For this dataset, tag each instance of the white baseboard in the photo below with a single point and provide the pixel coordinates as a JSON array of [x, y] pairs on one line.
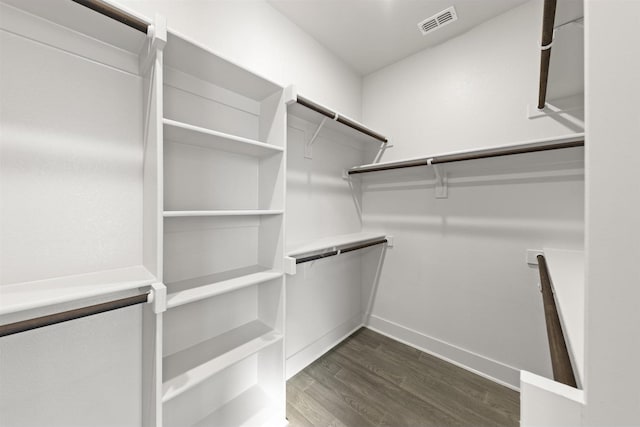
[[488, 368], [301, 359]]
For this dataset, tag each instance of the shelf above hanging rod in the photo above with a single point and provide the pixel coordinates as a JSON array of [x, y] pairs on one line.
[[336, 249], [314, 112], [114, 13], [340, 251], [576, 140], [65, 316]]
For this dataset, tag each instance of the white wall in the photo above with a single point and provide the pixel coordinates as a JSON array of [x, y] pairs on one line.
[[470, 92], [613, 211], [456, 282], [256, 36], [71, 203]]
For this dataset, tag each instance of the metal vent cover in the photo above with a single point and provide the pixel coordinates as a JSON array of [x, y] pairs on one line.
[[438, 20]]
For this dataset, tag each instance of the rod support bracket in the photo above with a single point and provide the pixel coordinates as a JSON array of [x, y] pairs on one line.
[[158, 298], [289, 265], [308, 146], [441, 188]]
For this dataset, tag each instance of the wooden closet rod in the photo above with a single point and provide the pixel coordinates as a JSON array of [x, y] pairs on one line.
[[548, 18], [340, 251], [337, 117], [65, 316], [472, 155], [114, 13], [560, 361]]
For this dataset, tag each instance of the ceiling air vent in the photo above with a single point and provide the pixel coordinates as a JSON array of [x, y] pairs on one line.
[[438, 20]]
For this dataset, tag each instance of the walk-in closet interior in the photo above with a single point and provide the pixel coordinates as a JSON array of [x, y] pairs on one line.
[[317, 212]]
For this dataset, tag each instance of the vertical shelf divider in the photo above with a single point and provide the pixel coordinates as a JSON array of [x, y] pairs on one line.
[[151, 64]]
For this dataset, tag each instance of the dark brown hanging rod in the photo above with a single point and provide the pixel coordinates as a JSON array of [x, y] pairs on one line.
[[340, 251], [483, 154], [560, 361], [65, 316], [114, 13], [548, 18], [337, 117], [315, 257]]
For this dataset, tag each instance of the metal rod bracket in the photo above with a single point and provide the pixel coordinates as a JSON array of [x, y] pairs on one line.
[[308, 146], [441, 188]]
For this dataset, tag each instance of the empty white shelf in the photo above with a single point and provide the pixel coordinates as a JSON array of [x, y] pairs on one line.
[[244, 212], [252, 408], [185, 55], [191, 290], [566, 269], [41, 293], [188, 368], [332, 242], [361, 134], [526, 156], [193, 135]]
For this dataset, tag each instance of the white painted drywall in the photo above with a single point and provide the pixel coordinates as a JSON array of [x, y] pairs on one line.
[[470, 92], [456, 282], [71, 164], [71, 203], [612, 212], [256, 36]]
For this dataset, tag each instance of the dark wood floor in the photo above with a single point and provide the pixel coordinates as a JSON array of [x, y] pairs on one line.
[[371, 380]]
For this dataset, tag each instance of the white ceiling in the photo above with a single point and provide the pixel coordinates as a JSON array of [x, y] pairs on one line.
[[370, 34]]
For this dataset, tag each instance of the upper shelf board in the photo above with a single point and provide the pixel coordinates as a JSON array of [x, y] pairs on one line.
[[86, 21], [332, 242], [489, 158], [313, 112], [566, 269], [245, 212], [192, 58], [194, 135], [42, 293]]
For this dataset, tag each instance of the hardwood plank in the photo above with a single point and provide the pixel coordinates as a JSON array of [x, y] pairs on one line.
[[372, 380], [349, 407], [372, 362], [458, 390], [311, 409], [295, 417], [301, 380], [403, 408]]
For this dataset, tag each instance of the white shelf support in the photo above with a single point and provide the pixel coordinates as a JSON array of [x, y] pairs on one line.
[[442, 189], [389, 241], [290, 265], [158, 298], [381, 150], [308, 146]]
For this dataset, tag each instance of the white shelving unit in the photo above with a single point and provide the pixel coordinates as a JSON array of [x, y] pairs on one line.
[[222, 184]]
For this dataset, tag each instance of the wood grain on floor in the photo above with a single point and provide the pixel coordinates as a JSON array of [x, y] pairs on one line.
[[372, 380]]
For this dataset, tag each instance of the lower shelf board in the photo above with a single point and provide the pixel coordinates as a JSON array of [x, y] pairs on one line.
[[252, 408], [191, 290], [190, 367]]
